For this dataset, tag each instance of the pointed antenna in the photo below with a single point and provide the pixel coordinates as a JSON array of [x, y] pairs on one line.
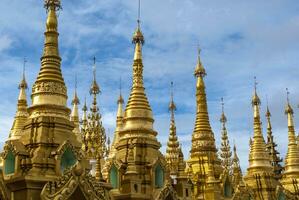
[[76, 81], [24, 67], [171, 92], [198, 51], [222, 104], [139, 8], [94, 68], [120, 86], [288, 93], [255, 84]]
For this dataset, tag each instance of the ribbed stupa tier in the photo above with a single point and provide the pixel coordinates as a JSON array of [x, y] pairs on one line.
[[260, 168], [290, 178], [22, 113], [49, 88]]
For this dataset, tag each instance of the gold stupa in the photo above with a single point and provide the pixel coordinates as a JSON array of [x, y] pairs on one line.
[[54, 153]]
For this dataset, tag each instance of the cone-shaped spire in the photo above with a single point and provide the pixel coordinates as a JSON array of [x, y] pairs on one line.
[[94, 135], [236, 169], [259, 160], [225, 147], [49, 88], [22, 113], [172, 149], [291, 172], [271, 146], [75, 112], [203, 138], [138, 113], [119, 122]]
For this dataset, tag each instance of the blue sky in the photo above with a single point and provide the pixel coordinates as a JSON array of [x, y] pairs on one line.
[[239, 40]]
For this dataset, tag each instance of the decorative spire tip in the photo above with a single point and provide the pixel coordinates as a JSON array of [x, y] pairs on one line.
[[56, 4]]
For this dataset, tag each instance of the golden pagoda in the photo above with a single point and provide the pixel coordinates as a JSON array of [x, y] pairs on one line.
[[138, 169], [51, 154]]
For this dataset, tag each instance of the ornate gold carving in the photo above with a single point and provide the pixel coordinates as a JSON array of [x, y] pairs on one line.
[[49, 88]]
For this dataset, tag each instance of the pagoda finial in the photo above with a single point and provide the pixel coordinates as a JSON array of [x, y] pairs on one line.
[[94, 89], [75, 99], [56, 4], [223, 119], [172, 106], [23, 83], [138, 36], [199, 69]]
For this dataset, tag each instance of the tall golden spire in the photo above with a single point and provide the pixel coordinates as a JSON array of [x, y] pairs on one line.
[[119, 122], [203, 153], [290, 179], [75, 112], [94, 136], [138, 113], [258, 158], [225, 147], [203, 141], [22, 113], [271, 146], [260, 177], [172, 149], [49, 88]]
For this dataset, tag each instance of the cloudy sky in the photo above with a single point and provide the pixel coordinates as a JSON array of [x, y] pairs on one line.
[[239, 40]]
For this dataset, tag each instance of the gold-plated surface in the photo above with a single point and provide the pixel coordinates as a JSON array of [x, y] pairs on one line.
[[22, 113], [173, 146], [290, 178], [203, 153], [271, 146], [50, 154], [260, 169]]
